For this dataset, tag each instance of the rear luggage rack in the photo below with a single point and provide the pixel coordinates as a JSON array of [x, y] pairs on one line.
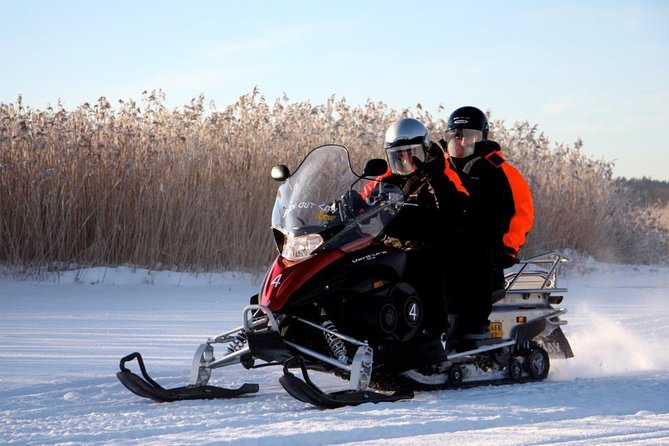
[[536, 281]]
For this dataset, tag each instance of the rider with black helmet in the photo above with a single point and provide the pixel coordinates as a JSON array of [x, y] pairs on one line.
[[500, 218]]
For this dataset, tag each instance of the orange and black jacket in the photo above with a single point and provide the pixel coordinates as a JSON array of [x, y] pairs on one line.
[[502, 212]]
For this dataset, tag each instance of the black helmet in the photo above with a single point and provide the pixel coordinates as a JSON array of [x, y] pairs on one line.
[[466, 126], [405, 139]]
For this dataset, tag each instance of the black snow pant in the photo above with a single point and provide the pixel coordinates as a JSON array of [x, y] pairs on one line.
[[498, 281], [469, 282], [426, 273]]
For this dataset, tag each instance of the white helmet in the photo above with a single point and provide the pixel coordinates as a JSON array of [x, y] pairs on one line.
[[405, 139]]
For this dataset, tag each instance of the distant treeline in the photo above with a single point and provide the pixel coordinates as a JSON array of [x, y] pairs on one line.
[[141, 184], [648, 191]]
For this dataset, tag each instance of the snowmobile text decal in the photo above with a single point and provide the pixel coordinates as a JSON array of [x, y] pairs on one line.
[[371, 256], [552, 347]]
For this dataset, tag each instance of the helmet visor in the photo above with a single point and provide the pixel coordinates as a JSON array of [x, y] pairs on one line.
[[461, 142], [400, 158]]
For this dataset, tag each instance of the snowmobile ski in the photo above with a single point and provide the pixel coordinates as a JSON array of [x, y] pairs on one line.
[[307, 392], [146, 387]]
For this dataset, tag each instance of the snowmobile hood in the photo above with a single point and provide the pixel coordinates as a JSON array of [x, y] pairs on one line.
[[285, 278]]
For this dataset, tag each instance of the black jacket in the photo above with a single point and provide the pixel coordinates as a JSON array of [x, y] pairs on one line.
[[501, 203], [433, 212]]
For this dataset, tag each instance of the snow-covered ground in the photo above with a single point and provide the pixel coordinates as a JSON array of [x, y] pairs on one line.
[[61, 340]]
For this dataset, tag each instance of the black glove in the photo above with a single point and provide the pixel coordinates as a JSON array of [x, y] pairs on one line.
[[353, 202], [434, 163], [505, 260]]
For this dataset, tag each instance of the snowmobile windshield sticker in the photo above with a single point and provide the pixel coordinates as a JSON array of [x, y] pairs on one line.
[[300, 205], [368, 257], [325, 216]]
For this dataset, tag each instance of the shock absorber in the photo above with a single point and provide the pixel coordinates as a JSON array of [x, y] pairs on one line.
[[335, 343], [237, 343]]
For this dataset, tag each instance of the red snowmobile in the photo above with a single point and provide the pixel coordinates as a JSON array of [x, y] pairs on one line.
[[338, 300]]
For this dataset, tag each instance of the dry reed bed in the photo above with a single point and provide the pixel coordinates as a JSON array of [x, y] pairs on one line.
[[188, 188]]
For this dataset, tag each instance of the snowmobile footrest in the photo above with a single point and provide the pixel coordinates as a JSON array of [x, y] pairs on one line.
[[307, 392], [148, 388]]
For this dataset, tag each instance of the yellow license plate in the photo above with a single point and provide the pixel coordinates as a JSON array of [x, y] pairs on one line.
[[495, 329]]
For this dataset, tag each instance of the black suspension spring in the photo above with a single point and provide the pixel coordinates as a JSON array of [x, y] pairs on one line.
[[335, 343], [237, 343]]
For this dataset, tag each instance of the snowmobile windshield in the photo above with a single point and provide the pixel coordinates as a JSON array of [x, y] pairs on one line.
[[323, 204]]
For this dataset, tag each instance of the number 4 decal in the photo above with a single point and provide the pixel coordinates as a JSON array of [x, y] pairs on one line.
[[277, 281], [413, 312]]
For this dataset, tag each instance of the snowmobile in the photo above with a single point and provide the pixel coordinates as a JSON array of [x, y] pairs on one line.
[[338, 300]]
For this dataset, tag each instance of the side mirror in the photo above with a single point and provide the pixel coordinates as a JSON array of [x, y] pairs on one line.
[[280, 172], [375, 167]]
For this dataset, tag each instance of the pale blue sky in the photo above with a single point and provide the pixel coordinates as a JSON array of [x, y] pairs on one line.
[[597, 70]]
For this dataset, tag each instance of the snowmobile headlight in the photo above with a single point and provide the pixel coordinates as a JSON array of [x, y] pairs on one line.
[[300, 247]]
